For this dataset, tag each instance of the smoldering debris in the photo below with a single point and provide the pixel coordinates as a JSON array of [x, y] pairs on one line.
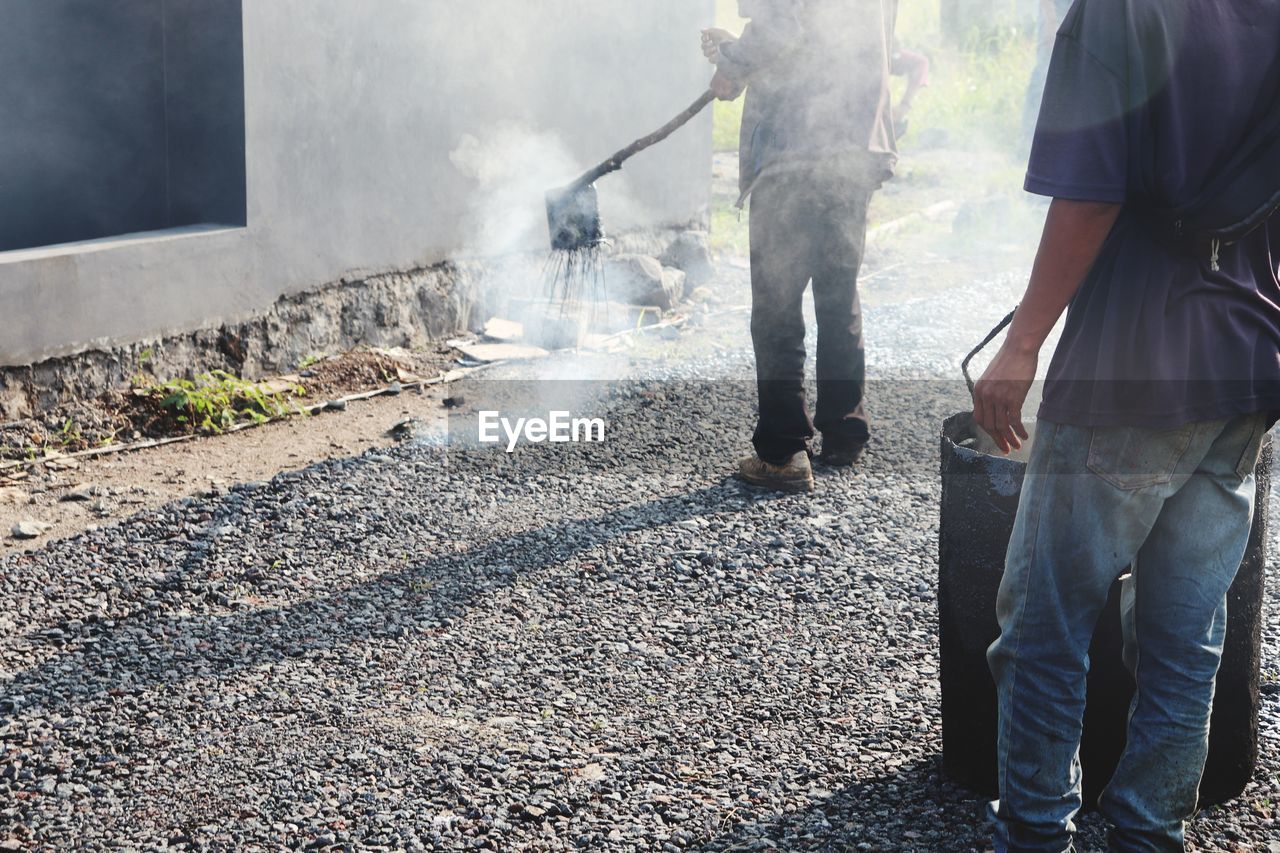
[[575, 277]]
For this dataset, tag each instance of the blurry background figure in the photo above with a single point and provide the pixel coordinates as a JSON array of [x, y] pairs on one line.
[[1052, 13], [915, 68], [815, 143]]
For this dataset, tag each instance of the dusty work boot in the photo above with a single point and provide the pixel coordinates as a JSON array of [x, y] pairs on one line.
[[794, 475], [838, 454]]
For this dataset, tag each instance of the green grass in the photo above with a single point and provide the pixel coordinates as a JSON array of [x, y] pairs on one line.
[[727, 115], [976, 94], [972, 109], [214, 402], [729, 229], [726, 121], [920, 19]]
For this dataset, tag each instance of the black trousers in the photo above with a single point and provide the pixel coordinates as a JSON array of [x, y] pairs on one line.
[[804, 229]]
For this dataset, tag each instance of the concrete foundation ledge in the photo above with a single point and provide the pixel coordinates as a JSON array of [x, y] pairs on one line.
[[398, 309], [402, 309]]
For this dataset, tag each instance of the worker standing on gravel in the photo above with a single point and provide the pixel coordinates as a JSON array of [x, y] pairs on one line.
[[1156, 403], [817, 141]]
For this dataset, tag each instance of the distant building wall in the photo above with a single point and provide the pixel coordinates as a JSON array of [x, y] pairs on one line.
[[350, 110]]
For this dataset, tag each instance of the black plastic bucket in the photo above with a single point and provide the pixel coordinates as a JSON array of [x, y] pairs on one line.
[[979, 500]]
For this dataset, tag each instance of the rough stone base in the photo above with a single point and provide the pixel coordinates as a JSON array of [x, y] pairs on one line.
[[404, 309], [401, 309]]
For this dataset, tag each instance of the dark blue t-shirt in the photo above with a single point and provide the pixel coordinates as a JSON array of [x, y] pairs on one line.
[[1146, 100]]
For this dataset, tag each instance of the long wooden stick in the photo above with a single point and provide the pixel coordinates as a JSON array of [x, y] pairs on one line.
[[615, 162]]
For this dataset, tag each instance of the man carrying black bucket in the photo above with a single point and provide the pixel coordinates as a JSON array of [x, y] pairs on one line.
[[1159, 141], [817, 141]]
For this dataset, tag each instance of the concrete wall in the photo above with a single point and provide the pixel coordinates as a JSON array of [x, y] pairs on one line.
[[352, 109]]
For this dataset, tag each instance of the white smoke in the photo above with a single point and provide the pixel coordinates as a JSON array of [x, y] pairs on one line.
[[512, 166]]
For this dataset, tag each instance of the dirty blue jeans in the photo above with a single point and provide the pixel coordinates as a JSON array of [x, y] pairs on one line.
[[1175, 508]]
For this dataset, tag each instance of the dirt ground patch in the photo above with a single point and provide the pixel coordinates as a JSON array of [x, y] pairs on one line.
[[60, 495], [66, 499], [147, 409]]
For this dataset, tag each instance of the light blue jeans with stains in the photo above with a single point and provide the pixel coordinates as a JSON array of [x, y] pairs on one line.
[[1174, 507]]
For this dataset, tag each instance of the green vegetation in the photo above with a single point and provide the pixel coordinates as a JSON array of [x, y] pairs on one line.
[[729, 229], [728, 116], [972, 109], [310, 361], [69, 434], [215, 402], [727, 119], [977, 92], [977, 95]]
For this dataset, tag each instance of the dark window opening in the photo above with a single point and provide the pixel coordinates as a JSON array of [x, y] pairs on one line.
[[119, 116]]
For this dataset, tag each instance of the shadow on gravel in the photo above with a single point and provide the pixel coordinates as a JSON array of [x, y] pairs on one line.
[[163, 646], [912, 808]]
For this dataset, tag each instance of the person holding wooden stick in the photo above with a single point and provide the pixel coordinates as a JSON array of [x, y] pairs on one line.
[[816, 142]]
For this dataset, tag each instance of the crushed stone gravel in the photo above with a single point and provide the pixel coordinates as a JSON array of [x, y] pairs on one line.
[[613, 646]]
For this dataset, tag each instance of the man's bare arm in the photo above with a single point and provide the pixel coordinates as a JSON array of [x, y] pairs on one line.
[[1074, 233]]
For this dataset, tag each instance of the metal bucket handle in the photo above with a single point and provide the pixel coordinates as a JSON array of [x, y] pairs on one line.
[[964, 365]]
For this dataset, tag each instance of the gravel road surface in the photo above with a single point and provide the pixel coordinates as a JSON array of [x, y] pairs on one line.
[[609, 646]]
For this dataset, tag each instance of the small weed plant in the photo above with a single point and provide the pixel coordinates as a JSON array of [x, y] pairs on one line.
[[217, 401], [69, 434]]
